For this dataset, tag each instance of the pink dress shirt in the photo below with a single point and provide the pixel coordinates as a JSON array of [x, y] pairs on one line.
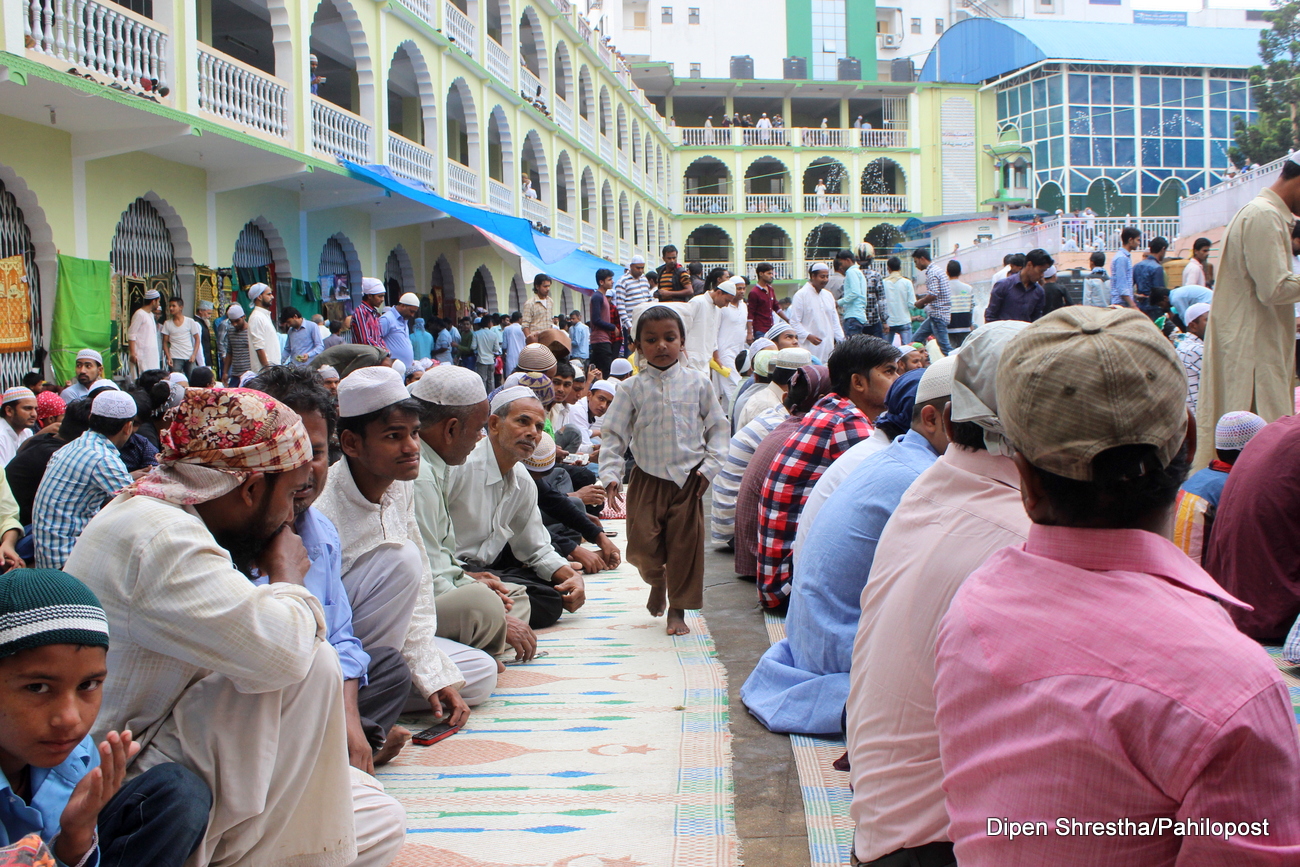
[[1093, 675], [962, 509]]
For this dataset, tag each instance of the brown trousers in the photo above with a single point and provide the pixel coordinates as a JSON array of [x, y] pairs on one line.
[[665, 536]]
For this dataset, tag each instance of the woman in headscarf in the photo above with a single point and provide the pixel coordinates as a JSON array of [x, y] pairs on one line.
[[421, 340]]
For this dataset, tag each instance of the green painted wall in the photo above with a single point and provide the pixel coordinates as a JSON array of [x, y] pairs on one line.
[[861, 24], [798, 30]]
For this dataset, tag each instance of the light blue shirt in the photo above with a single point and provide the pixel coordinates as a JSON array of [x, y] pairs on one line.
[[580, 337], [487, 346], [442, 345], [853, 303], [1121, 277], [76, 391], [324, 580], [303, 340], [512, 343], [50, 790], [392, 326], [1185, 296]]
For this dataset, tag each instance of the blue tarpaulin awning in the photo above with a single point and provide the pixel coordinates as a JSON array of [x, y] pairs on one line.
[[562, 261]]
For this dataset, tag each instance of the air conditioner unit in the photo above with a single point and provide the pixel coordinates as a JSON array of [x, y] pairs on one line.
[[891, 40]]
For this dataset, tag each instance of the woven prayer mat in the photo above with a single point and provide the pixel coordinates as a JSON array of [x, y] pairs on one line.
[[826, 794], [612, 751], [1290, 674]]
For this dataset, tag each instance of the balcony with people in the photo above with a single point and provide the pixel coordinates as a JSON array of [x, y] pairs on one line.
[[831, 123]]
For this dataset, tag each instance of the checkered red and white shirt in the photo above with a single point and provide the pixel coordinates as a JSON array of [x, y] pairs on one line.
[[829, 429]]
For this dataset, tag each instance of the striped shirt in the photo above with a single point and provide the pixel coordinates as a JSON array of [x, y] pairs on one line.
[[936, 284], [366, 327], [726, 485], [628, 294], [234, 346], [81, 477]]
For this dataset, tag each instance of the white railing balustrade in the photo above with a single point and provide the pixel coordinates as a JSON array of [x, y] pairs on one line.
[[695, 203], [826, 203], [563, 114], [498, 61], [781, 270], [500, 197], [884, 204], [410, 160], [565, 227], [584, 29], [606, 149], [709, 266], [462, 184], [589, 237], [776, 136], [623, 165], [531, 87], [586, 133], [423, 9], [825, 138], [536, 212], [608, 244], [238, 92], [458, 26], [624, 252], [97, 37], [563, 7], [339, 133], [767, 204], [882, 138], [705, 136]]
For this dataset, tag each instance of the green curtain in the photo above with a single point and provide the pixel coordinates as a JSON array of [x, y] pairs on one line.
[[305, 296], [83, 316]]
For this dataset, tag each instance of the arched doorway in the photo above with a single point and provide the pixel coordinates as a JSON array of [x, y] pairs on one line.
[[339, 43], [340, 269], [587, 196], [462, 125], [564, 183], [500, 146], [884, 237], [706, 187], [1165, 203], [767, 185], [482, 290], [399, 276], [824, 241], [21, 344], [1050, 198], [710, 245], [411, 106], [1104, 198], [834, 180], [769, 243], [563, 71], [884, 187]]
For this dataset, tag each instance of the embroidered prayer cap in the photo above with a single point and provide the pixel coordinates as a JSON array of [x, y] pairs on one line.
[[206, 305], [535, 356], [111, 403], [40, 607], [792, 358], [400, 367], [90, 355], [974, 380], [410, 299], [370, 389], [152, 295], [541, 386], [609, 386], [818, 266], [1196, 311], [937, 381], [103, 383], [637, 260], [728, 286], [620, 367], [18, 392], [543, 457], [257, 290], [234, 311], [48, 406], [216, 439], [1235, 429], [450, 385], [778, 328], [1082, 380], [509, 395], [327, 372], [371, 286], [763, 362]]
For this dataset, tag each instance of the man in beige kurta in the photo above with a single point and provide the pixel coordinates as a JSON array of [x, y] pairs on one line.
[[234, 681], [1250, 343]]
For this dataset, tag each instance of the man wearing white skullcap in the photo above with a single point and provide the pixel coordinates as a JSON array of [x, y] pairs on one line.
[[493, 506], [18, 410], [90, 367], [586, 413], [142, 335], [263, 337], [81, 477], [370, 499], [479, 610], [1191, 349], [813, 315], [395, 326], [330, 377], [366, 327]]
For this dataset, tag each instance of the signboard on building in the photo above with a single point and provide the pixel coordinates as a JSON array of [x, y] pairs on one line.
[[1177, 19]]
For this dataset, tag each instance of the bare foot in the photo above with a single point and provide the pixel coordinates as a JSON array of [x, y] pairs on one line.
[[657, 602], [501, 667], [397, 738], [677, 622]]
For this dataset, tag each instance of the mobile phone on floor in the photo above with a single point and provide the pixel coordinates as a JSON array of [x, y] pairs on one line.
[[538, 655], [434, 733]]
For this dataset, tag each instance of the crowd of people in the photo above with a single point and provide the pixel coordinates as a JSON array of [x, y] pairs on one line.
[[221, 592]]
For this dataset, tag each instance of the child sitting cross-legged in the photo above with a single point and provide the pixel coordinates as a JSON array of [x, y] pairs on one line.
[[54, 780]]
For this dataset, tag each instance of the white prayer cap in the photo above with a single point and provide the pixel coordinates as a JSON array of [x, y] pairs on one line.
[[728, 286], [512, 380], [257, 290], [755, 348], [409, 298], [400, 367], [371, 286], [818, 266], [1294, 157], [151, 295], [328, 372], [509, 395], [637, 260], [609, 386], [370, 389], [245, 377], [1051, 269], [778, 328], [103, 383], [620, 367], [543, 457], [234, 311], [111, 403], [937, 380], [178, 378], [1196, 311], [90, 355], [792, 358], [450, 385]]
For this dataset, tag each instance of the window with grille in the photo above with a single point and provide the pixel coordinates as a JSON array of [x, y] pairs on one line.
[[332, 259], [393, 277], [142, 245], [916, 25], [938, 25], [666, 15], [252, 250], [693, 15], [16, 240]]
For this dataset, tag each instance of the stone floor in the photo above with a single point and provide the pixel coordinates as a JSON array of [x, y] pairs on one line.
[[769, 804]]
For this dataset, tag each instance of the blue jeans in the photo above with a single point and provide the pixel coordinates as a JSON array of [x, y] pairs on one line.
[[158, 819], [936, 327], [904, 332]]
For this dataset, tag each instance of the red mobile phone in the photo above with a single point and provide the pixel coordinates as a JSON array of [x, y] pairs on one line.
[[434, 733]]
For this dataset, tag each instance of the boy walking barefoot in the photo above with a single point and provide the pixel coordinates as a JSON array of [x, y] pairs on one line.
[[669, 416], [55, 782]]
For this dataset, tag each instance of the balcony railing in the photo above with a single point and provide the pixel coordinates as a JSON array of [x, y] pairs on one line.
[[624, 252], [882, 138], [410, 160], [459, 28], [238, 92], [563, 6], [826, 138], [531, 87], [565, 227], [623, 164], [586, 133], [498, 61], [695, 203], [338, 132], [608, 244], [709, 266], [777, 136], [589, 237], [884, 204], [500, 197], [705, 136], [536, 212], [825, 203], [606, 149], [728, 136], [97, 37], [462, 184], [423, 9], [563, 114], [767, 204], [781, 270]]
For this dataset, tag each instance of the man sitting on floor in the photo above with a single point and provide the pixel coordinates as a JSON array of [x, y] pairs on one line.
[[479, 610], [493, 506], [563, 514], [371, 500], [233, 681], [376, 681], [1198, 499]]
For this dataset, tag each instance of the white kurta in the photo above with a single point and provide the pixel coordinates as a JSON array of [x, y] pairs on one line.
[[814, 313], [731, 340], [262, 334], [144, 333], [701, 332]]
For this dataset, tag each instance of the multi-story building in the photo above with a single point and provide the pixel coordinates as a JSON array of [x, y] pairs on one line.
[[167, 138]]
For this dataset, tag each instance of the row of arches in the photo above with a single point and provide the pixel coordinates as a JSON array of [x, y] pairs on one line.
[[1106, 200], [768, 175], [769, 242]]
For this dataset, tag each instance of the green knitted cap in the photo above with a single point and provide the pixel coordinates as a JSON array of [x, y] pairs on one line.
[[46, 606]]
